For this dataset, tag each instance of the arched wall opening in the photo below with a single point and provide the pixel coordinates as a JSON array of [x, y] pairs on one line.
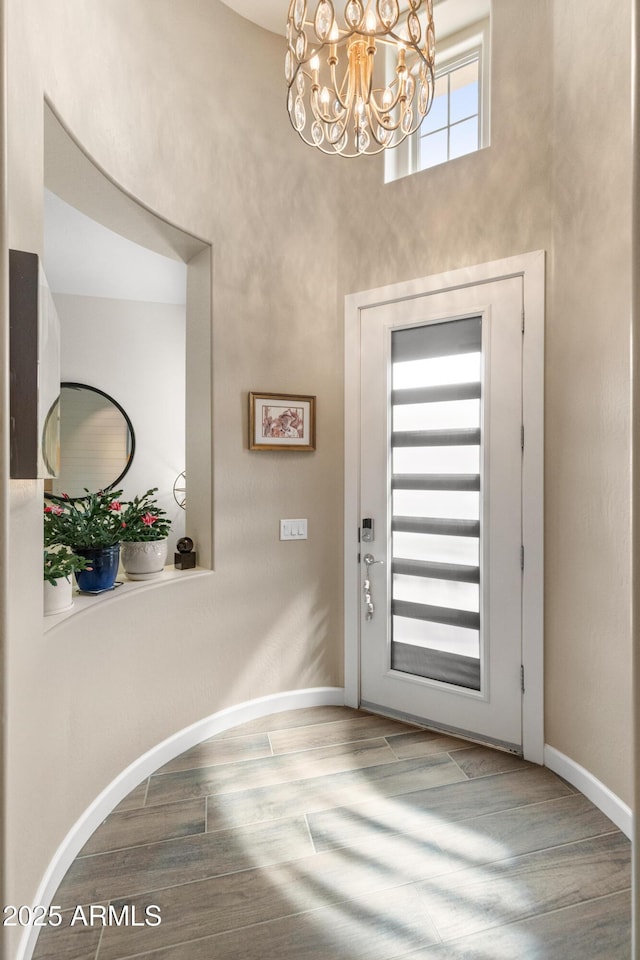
[[73, 176]]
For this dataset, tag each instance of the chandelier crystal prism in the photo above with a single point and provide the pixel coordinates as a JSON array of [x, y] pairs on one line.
[[360, 76]]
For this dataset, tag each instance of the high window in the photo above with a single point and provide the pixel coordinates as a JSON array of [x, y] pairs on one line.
[[452, 126], [458, 121]]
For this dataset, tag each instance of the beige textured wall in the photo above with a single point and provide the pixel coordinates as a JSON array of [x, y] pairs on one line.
[[588, 443], [91, 697], [557, 176], [154, 90], [488, 205]]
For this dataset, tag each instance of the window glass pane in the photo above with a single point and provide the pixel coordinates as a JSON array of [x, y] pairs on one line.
[[433, 149], [464, 92], [437, 371], [464, 138], [426, 546], [436, 416], [437, 593], [438, 114], [436, 460], [437, 636], [446, 504]]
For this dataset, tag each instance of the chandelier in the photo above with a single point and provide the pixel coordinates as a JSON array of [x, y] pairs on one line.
[[362, 81]]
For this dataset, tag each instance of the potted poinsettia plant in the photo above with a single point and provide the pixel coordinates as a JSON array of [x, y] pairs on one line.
[[90, 526], [144, 530], [59, 564]]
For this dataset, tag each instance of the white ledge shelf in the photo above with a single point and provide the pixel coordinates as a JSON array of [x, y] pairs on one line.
[[85, 603]]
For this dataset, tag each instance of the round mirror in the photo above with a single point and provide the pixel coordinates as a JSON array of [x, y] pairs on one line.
[[97, 442]]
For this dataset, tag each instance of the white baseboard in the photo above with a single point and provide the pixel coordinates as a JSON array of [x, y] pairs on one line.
[[593, 789], [145, 765]]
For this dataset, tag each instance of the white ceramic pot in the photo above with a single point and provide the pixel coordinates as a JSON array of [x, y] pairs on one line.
[[144, 560], [57, 598]]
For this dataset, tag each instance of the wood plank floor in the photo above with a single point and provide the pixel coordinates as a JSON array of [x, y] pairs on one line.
[[331, 834]]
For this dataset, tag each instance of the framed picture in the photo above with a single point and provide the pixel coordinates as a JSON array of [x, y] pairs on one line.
[[282, 421]]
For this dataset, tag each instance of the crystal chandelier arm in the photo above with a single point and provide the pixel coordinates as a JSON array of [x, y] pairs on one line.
[[343, 99], [321, 110], [315, 105], [380, 106], [368, 68], [383, 119]]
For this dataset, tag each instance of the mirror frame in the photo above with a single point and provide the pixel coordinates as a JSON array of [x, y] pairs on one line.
[[72, 384]]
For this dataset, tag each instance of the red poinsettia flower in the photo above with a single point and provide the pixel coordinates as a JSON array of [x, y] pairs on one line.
[[148, 520]]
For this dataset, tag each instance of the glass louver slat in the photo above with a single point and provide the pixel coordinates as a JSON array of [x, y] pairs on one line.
[[464, 459], [435, 481], [424, 611], [441, 526], [436, 503], [437, 571], [458, 641], [455, 594], [436, 438], [430, 414], [437, 549], [446, 393]]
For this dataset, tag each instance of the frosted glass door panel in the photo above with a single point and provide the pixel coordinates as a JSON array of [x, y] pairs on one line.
[[436, 459], [436, 395], [436, 503], [447, 639], [424, 546], [436, 416], [437, 371], [437, 593]]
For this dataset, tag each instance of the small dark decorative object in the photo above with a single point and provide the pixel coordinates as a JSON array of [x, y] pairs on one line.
[[185, 559]]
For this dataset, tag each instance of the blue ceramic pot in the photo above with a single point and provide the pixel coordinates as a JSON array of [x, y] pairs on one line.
[[104, 568]]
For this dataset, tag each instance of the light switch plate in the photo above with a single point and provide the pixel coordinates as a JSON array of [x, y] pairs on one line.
[[293, 529]]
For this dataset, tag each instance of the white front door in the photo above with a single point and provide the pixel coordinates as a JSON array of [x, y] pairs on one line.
[[441, 509]]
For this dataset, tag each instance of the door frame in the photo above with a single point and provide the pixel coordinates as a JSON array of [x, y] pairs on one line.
[[531, 267]]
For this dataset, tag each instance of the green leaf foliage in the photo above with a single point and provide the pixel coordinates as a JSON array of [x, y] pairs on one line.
[[144, 520], [61, 563]]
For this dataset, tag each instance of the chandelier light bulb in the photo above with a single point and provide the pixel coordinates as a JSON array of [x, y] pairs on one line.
[[360, 73]]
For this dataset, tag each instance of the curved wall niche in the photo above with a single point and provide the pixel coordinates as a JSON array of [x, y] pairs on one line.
[[72, 175]]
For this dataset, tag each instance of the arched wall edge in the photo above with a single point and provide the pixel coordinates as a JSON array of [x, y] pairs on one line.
[[593, 789], [145, 765]]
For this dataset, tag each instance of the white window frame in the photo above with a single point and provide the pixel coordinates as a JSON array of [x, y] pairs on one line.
[[445, 71], [451, 53]]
